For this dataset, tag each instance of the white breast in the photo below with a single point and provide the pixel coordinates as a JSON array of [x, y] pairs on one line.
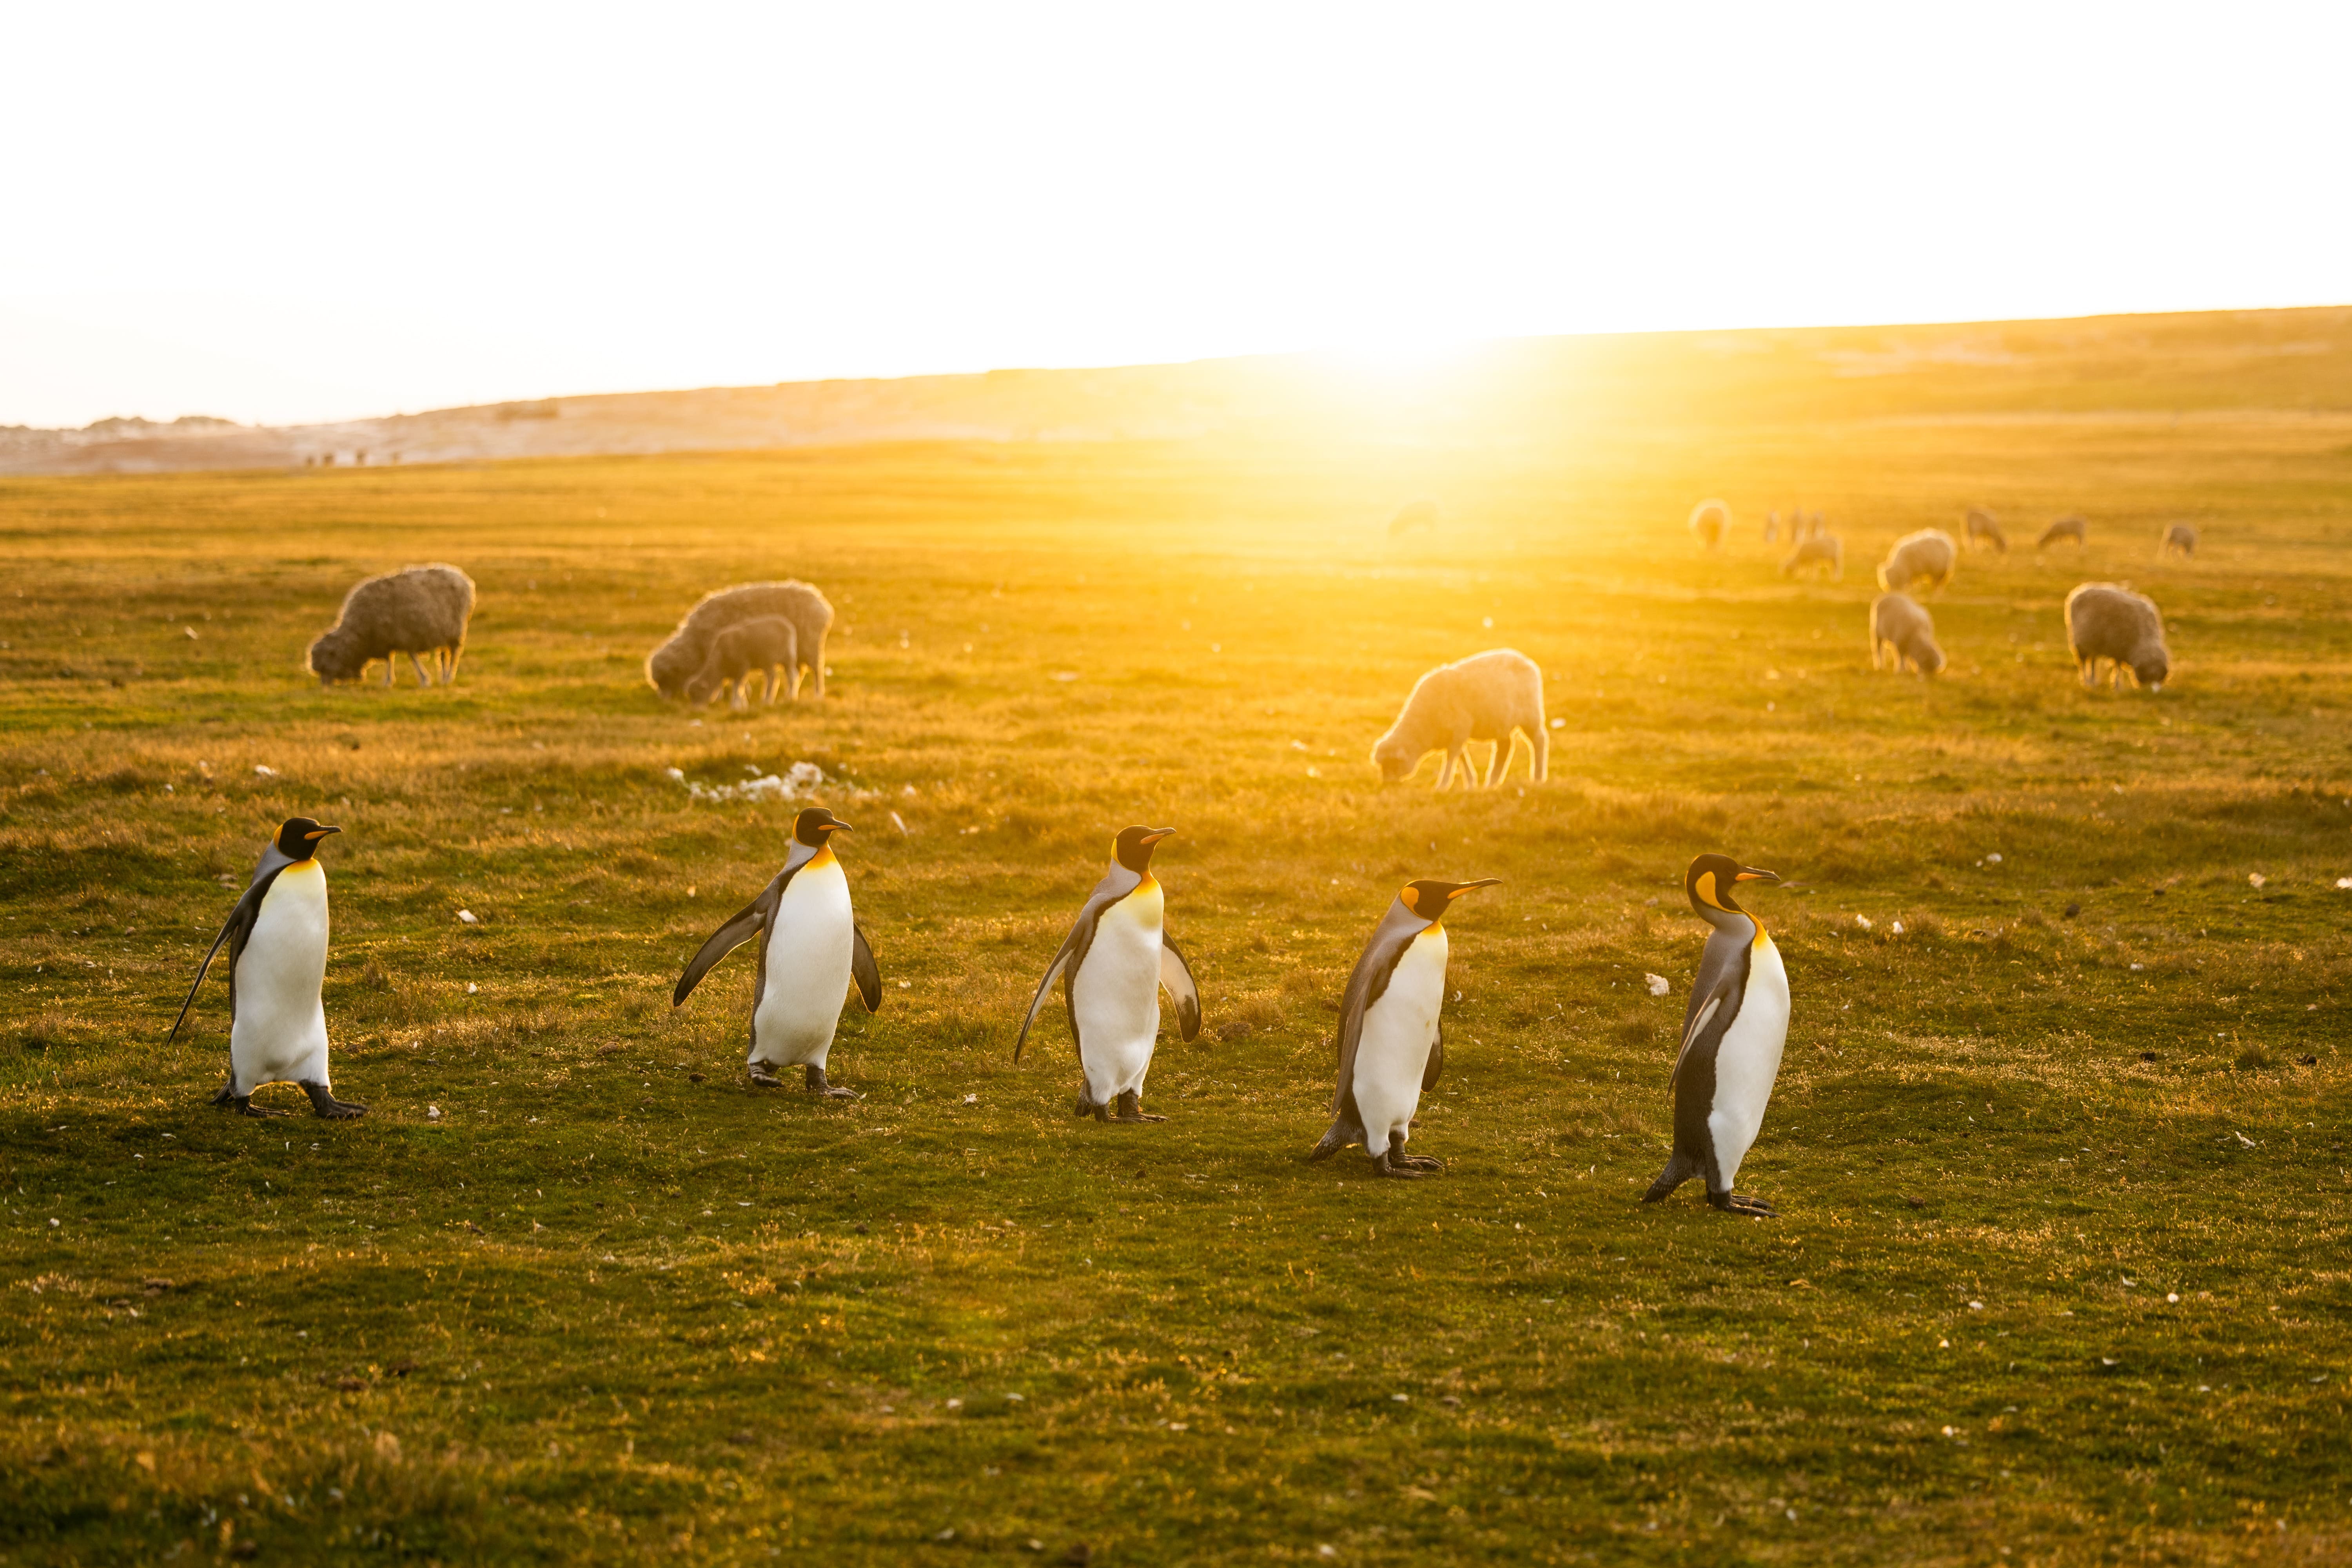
[[1392, 1050], [807, 974], [279, 1034], [1748, 1061], [1115, 995]]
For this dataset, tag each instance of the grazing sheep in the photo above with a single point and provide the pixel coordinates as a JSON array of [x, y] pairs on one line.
[[1421, 513], [1710, 520], [1485, 697], [2106, 621], [2065, 528], [417, 610], [1901, 631], [1817, 551], [1928, 555], [670, 666], [1982, 525], [766, 648], [2180, 539]]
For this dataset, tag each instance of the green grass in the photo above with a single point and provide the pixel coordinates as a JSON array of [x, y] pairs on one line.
[[2061, 1275]]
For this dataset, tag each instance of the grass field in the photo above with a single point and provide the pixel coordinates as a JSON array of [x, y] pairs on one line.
[[2061, 1272]]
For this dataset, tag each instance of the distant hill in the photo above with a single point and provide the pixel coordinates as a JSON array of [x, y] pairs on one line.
[[1509, 391]]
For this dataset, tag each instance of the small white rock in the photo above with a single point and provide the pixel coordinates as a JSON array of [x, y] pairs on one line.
[[972, 1099], [264, 770], [433, 1113], [1896, 928], [1994, 858], [1658, 984], [471, 988], [466, 917], [1862, 921], [2257, 878]]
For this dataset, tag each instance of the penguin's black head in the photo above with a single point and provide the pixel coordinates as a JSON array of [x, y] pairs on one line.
[[299, 840], [1133, 847], [1708, 882], [815, 826], [1429, 899]]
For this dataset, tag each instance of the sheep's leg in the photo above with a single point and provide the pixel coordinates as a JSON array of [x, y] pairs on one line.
[[1539, 745], [391, 665], [1498, 758], [816, 670], [739, 702], [457, 652], [422, 678]]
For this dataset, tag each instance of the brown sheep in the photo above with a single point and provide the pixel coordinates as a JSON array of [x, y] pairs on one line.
[[1928, 555], [1901, 631], [417, 610], [670, 666], [1485, 697], [766, 649], [1816, 550], [2180, 539], [1982, 525], [2065, 528], [1710, 520], [2107, 621]]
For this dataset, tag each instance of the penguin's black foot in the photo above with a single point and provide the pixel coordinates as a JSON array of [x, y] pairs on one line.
[[1733, 1202], [818, 1085], [1086, 1107], [762, 1076], [324, 1102], [243, 1105], [1130, 1109], [1405, 1167]]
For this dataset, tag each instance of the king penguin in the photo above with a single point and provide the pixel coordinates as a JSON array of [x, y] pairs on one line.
[[1112, 965], [276, 938], [810, 950], [1390, 1048], [1732, 1034]]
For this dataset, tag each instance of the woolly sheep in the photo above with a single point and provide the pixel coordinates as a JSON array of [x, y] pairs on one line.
[[2180, 539], [1421, 513], [1817, 551], [2065, 528], [670, 666], [1928, 554], [1710, 520], [417, 610], [1983, 525], [1485, 697], [2108, 621], [766, 648], [1901, 632]]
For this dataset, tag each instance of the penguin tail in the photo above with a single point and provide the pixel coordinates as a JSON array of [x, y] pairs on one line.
[[1681, 1168], [1339, 1138]]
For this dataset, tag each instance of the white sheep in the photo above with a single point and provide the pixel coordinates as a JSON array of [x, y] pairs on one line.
[[1984, 529], [2178, 540], [416, 610], [1489, 696], [1711, 520], [1902, 632], [2108, 621], [765, 649], [2065, 528], [1420, 514], [1928, 554], [1815, 551], [670, 666]]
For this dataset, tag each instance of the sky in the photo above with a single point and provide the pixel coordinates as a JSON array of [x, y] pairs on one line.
[[299, 212]]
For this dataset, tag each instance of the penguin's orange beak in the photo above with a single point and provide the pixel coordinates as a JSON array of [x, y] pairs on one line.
[[318, 833], [1157, 833], [1751, 873]]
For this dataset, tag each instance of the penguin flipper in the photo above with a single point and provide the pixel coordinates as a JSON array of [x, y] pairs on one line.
[[1073, 952], [1045, 987], [1437, 1064], [740, 928], [1176, 975], [864, 970], [232, 930]]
